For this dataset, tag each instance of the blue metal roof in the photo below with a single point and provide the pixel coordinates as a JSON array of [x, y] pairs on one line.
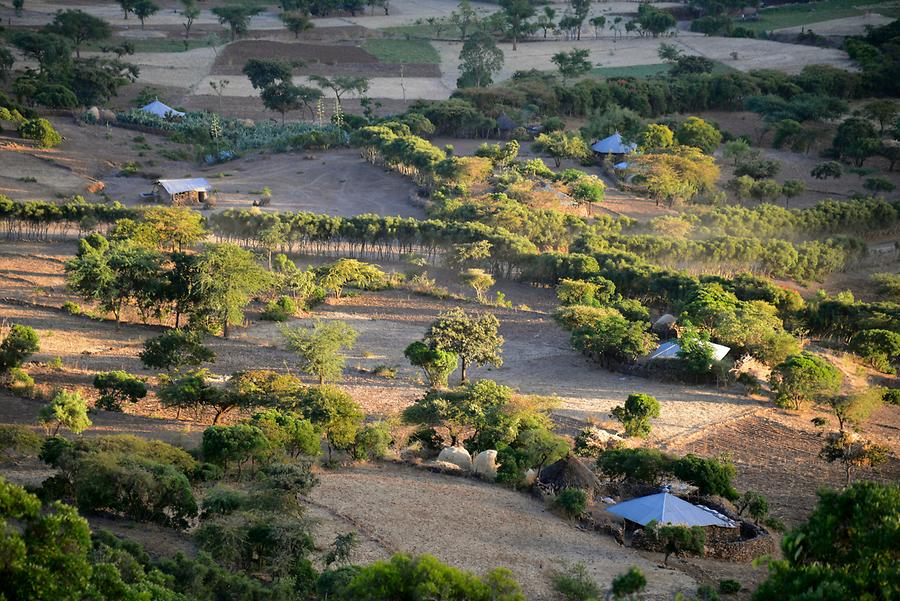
[[613, 145], [669, 509]]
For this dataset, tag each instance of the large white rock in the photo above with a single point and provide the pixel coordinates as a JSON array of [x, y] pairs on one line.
[[457, 456], [485, 464], [531, 477]]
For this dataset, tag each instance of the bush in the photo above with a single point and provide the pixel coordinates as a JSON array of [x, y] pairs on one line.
[[802, 378], [174, 349], [636, 413], [19, 382], [710, 476], [232, 444], [372, 442], [66, 410], [575, 584], [281, 309], [879, 348], [629, 584], [19, 439], [41, 131], [20, 343], [118, 387], [571, 502], [892, 396], [677, 539], [636, 465], [72, 308], [729, 587]]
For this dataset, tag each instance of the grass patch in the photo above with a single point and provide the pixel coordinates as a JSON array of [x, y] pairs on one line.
[[441, 29], [162, 44], [402, 51], [640, 71], [795, 15]]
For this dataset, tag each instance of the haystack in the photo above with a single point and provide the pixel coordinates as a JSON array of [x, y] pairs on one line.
[[570, 473], [485, 464], [665, 325], [458, 456]]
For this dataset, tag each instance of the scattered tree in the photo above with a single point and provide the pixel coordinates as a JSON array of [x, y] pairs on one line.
[[319, 348], [474, 339], [804, 377], [236, 16], [437, 365], [635, 415], [66, 410], [677, 539], [144, 9], [20, 343], [118, 387], [479, 61], [80, 27], [572, 64], [175, 349]]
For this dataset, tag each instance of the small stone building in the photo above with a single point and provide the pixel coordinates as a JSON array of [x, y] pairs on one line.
[[182, 191]]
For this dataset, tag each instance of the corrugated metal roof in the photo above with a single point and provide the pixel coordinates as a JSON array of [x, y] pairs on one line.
[[614, 145], [177, 186], [669, 350], [669, 509]]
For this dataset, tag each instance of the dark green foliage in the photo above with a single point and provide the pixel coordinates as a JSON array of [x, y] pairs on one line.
[[575, 584], [802, 378], [280, 309], [117, 388], [629, 585], [892, 396], [288, 433], [20, 343], [41, 131], [473, 338], [677, 539], [372, 442], [405, 577], [571, 502], [335, 414], [880, 348], [711, 476], [636, 413], [232, 444], [533, 448], [19, 440], [437, 365], [614, 339], [846, 549], [729, 587], [636, 465]]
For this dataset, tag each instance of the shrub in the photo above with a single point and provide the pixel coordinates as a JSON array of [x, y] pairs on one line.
[[72, 308], [437, 365], [629, 584], [19, 382], [372, 442], [804, 377], [571, 502], [118, 387], [710, 476], [879, 348], [19, 439], [222, 501], [66, 410], [892, 396], [677, 539], [575, 584], [636, 413], [573, 317], [41, 131], [729, 587], [134, 486], [226, 444], [174, 349], [20, 343], [636, 465], [281, 309]]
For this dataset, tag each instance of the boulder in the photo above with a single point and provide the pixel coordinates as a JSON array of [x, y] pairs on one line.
[[458, 456], [485, 464], [531, 477], [665, 324]]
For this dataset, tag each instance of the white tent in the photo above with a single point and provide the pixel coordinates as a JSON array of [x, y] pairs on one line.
[[669, 509], [669, 350], [161, 109]]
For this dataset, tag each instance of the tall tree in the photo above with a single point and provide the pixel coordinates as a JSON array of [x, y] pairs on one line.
[[474, 339], [127, 7], [517, 13], [190, 12], [320, 348], [79, 27], [580, 9], [144, 9], [479, 61], [341, 84], [229, 277], [296, 22], [572, 64], [236, 16], [264, 72]]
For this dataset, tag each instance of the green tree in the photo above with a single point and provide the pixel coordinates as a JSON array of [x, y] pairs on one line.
[[804, 377], [288, 433], [588, 190], [852, 451], [696, 132], [144, 9], [66, 410], [791, 189], [341, 84], [532, 449], [296, 22], [516, 14], [263, 72], [236, 16], [118, 387], [856, 140], [228, 277], [20, 343], [845, 550], [479, 61], [883, 111], [880, 348], [572, 64], [319, 348], [190, 12], [644, 466], [736, 150], [437, 365], [282, 97], [677, 539], [174, 349], [635, 415], [236, 444], [372, 442], [828, 169], [41, 131], [561, 145], [710, 475], [654, 21], [335, 277], [656, 136], [474, 339], [335, 414], [479, 280], [192, 390], [127, 7], [629, 585], [756, 506], [79, 27]]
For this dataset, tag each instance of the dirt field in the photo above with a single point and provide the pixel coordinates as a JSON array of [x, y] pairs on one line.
[[473, 525]]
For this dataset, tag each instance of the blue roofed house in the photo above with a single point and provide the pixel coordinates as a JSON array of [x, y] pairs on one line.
[[613, 145]]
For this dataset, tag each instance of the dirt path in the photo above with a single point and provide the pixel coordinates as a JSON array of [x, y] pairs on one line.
[[474, 526]]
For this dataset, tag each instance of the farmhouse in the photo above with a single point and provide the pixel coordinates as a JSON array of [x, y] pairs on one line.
[[665, 508], [182, 191]]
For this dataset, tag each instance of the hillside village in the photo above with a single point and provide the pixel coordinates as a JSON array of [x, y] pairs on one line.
[[565, 300]]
